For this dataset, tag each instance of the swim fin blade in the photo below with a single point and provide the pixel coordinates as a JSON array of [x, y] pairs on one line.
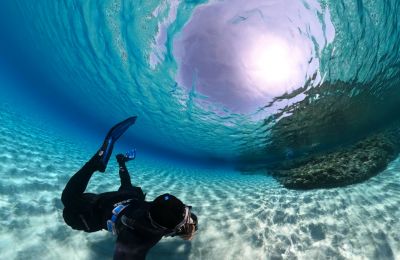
[[112, 136]]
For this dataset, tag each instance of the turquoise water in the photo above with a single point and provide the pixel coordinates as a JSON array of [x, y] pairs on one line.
[[215, 84], [103, 61]]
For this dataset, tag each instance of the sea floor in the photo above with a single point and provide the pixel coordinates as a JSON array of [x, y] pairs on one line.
[[240, 216]]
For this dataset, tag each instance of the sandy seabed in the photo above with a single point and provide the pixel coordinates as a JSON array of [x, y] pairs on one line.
[[241, 216]]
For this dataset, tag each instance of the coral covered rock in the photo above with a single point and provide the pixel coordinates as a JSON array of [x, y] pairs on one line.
[[343, 166]]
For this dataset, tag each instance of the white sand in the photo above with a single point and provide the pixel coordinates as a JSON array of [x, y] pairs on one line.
[[241, 217]]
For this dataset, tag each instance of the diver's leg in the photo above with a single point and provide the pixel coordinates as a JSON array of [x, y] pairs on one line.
[[72, 193]]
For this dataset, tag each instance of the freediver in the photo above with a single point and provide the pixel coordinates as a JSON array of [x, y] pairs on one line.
[[138, 224]]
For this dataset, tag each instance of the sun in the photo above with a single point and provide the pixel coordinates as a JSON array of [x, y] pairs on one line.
[[271, 65]]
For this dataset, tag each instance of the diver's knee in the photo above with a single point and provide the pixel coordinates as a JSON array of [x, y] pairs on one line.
[[65, 199]]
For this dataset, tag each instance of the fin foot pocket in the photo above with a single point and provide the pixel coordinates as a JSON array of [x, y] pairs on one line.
[[112, 136]]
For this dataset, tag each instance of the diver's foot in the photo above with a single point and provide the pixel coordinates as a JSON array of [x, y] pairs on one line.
[[104, 154], [115, 132], [130, 155]]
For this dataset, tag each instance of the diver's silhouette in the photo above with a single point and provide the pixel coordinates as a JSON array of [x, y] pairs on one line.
[[138, 224]]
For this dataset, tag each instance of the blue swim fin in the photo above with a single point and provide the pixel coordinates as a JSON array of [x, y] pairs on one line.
[[112, 136]]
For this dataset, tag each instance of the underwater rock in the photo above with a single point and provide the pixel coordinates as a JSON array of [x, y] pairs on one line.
[[331, 115], [343, 166]]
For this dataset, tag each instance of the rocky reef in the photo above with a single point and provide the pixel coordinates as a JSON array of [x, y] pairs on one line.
[[341, 133], [343, 166]]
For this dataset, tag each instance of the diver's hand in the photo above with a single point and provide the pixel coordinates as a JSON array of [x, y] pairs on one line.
[[130, 155]]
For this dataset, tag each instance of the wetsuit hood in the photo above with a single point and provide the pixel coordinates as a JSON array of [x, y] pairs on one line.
[[167, 211]]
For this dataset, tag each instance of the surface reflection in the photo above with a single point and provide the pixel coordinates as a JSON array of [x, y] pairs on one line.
[[241, 54]]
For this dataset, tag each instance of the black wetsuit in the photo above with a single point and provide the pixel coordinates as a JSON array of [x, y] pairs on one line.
[[89, 212]]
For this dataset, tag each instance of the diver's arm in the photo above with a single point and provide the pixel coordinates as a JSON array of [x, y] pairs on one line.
[[123, 171], [128, 251], [134, 245]]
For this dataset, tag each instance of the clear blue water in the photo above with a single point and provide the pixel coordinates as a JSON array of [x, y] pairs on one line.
[[200, 78]]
